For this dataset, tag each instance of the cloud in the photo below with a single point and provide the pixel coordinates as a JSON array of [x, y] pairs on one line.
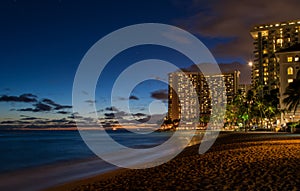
[[27, 98], [132, 97], [26, 109], [50, 102], [63, 112], [160, 94], [116, 115], [29, 95], [8, 122], [149, 119], [144, 120], [90, 101], [81, 120], [49, 106], [111, 109], [29, 118], [63, 120], [41, 122], [109, 115], [139, 115], [39, 107], [124, 118], [42, 107], [232, 20], [34, 122], [122, 99], [56, 105], [14, 122], [75, 115], [59, 107], [172, 35]]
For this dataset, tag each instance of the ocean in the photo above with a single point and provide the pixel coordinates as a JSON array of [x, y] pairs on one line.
[[21, 149]]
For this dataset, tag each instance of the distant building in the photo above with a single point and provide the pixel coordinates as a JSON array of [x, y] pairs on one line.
[[179, 86], [244, 88], [268, 39], [289, 62]]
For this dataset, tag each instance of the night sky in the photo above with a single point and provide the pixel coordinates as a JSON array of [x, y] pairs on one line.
[[43, 42]]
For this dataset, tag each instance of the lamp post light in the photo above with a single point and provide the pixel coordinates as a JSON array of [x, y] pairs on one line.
[[250, 63]]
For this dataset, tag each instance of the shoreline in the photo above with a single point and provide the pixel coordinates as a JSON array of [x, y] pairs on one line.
[[233, 147], [50, 175]]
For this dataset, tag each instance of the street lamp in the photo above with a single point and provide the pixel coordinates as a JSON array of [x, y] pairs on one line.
[[250, 63]]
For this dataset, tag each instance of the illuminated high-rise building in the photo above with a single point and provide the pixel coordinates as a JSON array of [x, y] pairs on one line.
[[183, 85], [289, 62], [268, 39]]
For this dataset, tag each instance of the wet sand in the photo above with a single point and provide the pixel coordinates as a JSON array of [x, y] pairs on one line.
[[237, 161]]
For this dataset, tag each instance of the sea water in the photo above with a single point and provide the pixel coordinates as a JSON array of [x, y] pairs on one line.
[[31, 148]]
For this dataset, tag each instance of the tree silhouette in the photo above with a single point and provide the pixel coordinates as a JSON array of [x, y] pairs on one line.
[[293, 96]]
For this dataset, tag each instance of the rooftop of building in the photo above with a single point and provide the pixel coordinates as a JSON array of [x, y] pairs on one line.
[[209, 74], [275, 25]]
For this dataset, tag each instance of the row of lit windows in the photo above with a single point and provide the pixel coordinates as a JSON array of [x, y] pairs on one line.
[[291, 59], [277, 25]]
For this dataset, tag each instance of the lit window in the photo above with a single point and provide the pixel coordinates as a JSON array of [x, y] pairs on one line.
[[279, 41], [296, 58], [290, 59], [290, 71], [265, 51], [290, 80]]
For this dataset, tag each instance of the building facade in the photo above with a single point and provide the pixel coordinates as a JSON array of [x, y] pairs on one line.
[[192, 94], [244, 88], [289, 62], [268, 39]]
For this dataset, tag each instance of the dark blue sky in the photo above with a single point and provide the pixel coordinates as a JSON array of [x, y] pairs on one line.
[[43, 42]]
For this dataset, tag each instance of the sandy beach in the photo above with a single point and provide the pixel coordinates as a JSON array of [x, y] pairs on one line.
[[237, 161]]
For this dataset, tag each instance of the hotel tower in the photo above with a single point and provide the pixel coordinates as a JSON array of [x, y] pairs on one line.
[[268, 39]]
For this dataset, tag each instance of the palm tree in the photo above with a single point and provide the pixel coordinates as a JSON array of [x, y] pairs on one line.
[[292, 92], [231, 114], [271, 112]]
